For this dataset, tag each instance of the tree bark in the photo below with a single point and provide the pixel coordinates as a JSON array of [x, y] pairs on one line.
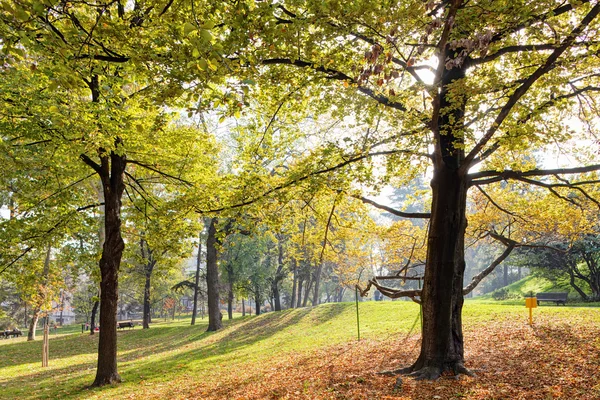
[[293, 298], [93, 318], [299, 300], [111, 172], [230, 279], [212, 278], [147, 256], [33, 325], [316, 295], [243, 308], [197, 280], [146, 316], [442, 347], [257, 300], [307, 291]]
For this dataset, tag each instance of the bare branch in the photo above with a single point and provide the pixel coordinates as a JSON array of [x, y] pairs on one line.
[[392, 210]]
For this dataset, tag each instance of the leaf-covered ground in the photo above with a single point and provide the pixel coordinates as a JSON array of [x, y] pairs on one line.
[[311, 354]]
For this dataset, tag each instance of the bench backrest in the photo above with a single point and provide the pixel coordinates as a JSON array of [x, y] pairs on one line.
[[552, 296]]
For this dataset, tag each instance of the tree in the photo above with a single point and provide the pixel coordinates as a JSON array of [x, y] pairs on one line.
[[79, 99], [443, 84]]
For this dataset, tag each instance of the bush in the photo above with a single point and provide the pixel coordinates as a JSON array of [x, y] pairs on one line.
[[501, 294]]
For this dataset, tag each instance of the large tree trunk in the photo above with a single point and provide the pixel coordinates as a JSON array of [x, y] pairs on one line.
[[112, 251], [197, 280], [212, 278], [442, 295]]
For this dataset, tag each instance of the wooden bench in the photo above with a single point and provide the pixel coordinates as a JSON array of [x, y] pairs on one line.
[[558, 297], [127, 324], [8, 333]]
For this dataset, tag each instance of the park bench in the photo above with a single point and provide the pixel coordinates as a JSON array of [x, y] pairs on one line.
[[14, 333], [127, 324], [558, 297]]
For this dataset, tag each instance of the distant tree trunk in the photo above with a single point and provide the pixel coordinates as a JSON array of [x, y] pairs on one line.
[[294, 284], [519, 272], [505, 275], [307, 291], [33, 325], [243, 308], [147, 256], [299, 300], [257, 300], [111, 171], [146, 316], [316, 296], [93, 318], [197, 280], [574, 285], [230, 279], [37, 309], [212, 278]]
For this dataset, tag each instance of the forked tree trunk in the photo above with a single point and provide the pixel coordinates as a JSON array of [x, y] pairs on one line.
[[212, 278]]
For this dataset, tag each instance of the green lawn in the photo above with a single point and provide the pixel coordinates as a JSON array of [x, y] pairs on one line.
[[172, 351]]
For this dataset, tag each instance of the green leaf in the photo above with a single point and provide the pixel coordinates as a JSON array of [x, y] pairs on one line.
[[206, 35], [188, 28]]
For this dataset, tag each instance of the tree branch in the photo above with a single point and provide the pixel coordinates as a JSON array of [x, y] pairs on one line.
[[392, 210]]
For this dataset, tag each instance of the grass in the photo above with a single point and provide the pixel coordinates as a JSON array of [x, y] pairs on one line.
[[536, 284], [150, 361]]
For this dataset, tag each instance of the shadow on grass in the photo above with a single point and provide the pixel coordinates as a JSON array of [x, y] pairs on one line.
[[135, 345]]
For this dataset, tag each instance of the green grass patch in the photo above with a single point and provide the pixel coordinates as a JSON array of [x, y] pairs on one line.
[[175, 351]]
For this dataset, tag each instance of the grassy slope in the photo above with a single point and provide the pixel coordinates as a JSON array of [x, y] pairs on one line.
[[150, 359], [538, 284]]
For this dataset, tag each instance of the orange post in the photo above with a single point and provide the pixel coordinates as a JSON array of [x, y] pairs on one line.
[[531, 303]]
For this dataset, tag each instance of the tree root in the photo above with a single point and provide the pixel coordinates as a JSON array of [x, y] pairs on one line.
[[429, 372]]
